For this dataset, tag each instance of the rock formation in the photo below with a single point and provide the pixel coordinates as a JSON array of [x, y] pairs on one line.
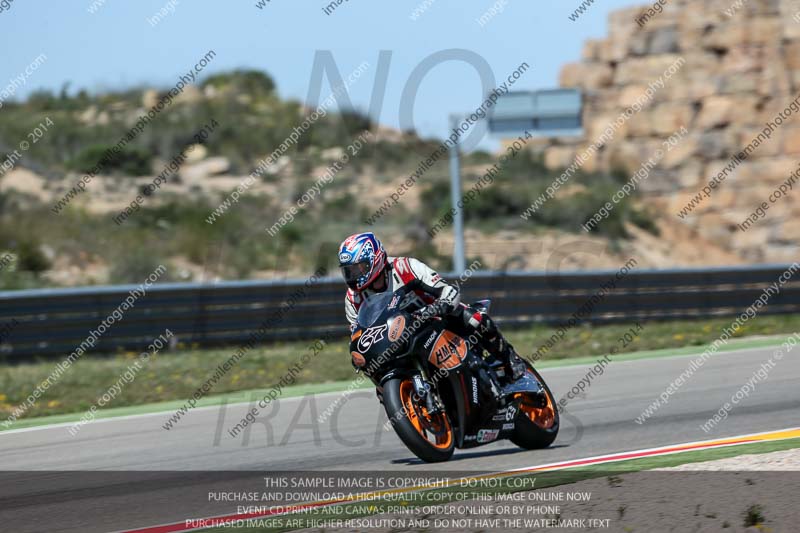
[[742, 68]]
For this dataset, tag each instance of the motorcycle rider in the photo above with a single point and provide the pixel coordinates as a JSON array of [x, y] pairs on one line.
[[368, 270]]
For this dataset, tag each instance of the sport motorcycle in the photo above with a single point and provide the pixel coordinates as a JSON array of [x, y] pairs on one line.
[[439, 389]]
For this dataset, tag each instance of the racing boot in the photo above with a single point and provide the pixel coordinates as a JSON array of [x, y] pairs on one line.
[[514, 363], [493, 342]]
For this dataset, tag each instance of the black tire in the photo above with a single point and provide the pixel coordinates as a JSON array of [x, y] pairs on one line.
[[394, 392], [531, 435]]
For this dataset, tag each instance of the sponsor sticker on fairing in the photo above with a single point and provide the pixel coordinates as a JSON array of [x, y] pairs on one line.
[[488, 435]]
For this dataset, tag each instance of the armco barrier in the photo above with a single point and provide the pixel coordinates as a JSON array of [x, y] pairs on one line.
[[50, 322]]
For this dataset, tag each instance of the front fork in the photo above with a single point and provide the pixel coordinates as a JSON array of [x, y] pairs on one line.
[[425, 392]]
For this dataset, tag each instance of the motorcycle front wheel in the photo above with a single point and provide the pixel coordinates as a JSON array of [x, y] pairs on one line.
[[429, 437]]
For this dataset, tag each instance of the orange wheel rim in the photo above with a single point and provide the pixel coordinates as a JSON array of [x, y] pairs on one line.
[[544, 416], [433, 428]]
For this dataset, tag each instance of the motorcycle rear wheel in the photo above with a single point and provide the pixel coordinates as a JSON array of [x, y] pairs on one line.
[[429, 437], [536, 427]]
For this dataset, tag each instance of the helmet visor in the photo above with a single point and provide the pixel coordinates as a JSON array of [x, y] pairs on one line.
[[355, 272]]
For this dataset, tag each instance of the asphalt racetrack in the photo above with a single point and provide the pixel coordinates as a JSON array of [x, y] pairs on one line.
[[354, 439]]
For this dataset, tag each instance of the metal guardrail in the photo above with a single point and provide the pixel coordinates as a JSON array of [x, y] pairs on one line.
[[50, 322]]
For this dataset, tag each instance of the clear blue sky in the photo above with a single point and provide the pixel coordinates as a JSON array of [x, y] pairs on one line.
[[116, 47]]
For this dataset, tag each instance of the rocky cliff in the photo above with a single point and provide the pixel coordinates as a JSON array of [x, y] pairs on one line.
[[738, 69]]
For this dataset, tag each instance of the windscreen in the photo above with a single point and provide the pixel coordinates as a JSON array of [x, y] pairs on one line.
[[373, 308]]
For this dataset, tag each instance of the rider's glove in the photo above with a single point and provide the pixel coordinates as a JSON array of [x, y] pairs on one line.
[[441, 308], [421, 316], [433, 310]]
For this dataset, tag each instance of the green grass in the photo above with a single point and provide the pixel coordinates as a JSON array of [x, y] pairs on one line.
[[174, 376], [613, 471], [599, 340]]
